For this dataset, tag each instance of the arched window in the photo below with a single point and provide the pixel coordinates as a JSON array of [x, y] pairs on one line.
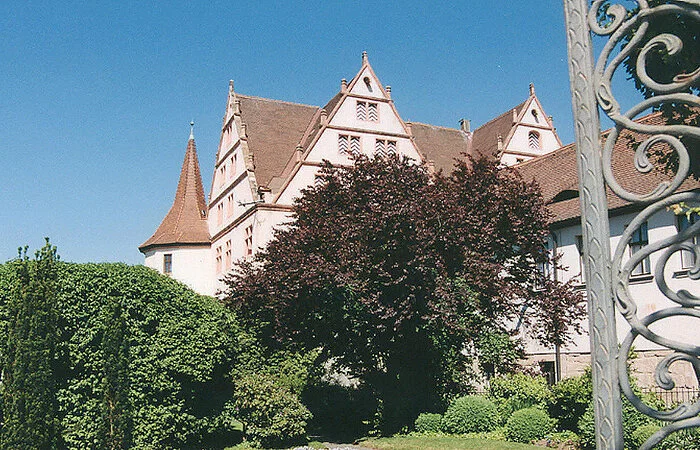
[[533, 140]]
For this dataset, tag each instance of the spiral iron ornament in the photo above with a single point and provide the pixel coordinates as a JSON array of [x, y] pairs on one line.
[[625, 32]]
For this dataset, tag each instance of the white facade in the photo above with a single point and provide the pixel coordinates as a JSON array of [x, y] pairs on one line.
[[189, 264]]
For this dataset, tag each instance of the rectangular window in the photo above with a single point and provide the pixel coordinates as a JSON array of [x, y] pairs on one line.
[[227, 255], [640, 238], [220, 213], [361, 110], [544, 269], [249, 240], [229, 205], [218, 259], [683, 222], [355, 145], [372, 112], [222, 175], [579, 248], [232, 163], [168, 263], [384, 148]]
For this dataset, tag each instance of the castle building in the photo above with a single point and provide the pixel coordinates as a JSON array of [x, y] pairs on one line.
[[270, 150]]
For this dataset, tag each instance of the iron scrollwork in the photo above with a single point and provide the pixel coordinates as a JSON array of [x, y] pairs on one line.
[[628, 31]]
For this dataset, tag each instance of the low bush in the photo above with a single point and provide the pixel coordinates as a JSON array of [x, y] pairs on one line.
[[526, 425], [270, 413], [571, 397], [518, 391], [470, 414], [428, 423], [641, 434]]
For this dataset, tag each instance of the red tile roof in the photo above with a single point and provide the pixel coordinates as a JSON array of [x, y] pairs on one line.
[[440, 145], [186, 222], [485, 139], [274, 129], [557, 172]]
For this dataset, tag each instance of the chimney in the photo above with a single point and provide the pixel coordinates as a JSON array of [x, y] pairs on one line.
[[465, 125], [408, 127], [388, 91], [431, 167], [244, 131], [343, 85], [237, 108], [500, 143], [324, 117]]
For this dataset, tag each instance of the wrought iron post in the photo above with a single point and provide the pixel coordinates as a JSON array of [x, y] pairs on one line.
[[596, 231], [608, 277]]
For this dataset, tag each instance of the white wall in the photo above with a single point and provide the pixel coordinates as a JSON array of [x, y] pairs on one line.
[[191, 265]]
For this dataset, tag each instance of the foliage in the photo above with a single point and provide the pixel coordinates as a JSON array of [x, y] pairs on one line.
[[498, 353], [641, 434], [470, 414], [559, 309], [526, 425], [571, 398], [30, 363], [181, 349], [517, 391], [428, 423], [392, 274], [271, 414], [563, 439]]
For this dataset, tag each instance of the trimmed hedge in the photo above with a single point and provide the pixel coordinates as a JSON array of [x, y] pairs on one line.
[[428, 423], [528, 424], [517, 391], [470, 414]]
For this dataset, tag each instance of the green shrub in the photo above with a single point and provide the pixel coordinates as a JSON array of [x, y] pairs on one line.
[[518, 391], [428, 423], [270, 413], [470, 414], [571, 397], [528, 424], [641, 434], [684, 439]]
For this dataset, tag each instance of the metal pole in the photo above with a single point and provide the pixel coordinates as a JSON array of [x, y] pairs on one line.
[[596, 232]]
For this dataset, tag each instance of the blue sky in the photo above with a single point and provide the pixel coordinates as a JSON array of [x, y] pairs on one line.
[[96, 97]]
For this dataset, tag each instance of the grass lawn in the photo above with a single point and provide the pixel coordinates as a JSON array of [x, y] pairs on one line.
[[441, 443]]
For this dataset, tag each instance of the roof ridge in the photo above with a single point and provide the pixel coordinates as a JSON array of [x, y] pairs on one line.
[[434, 126], [254, 97]]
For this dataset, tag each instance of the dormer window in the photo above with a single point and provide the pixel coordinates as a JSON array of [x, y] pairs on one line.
[[368, 111], [566, 194], [533, 140]]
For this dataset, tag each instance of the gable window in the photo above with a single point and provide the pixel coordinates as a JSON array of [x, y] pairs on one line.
[[367, 111], [249, 240], [640, 238], [384, 148], [222, 174], [220, 213], [168, 263], [348, 145], [232, 172], [683, 222], [533, 140], [535, 115]]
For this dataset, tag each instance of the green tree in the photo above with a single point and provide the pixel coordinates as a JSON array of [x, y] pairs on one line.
[[393, 274], [30, 376], [116, 407]]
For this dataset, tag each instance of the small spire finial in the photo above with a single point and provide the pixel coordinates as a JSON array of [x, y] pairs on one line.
[[191, 129], [532, 88], [364, 56]]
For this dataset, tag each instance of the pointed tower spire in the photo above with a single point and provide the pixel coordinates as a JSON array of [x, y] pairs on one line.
[[186, 222]]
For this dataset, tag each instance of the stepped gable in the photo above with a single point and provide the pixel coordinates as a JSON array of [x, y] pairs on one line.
[[440, 145], [186, 222], [556, 173], [274, 128], [485, 138]]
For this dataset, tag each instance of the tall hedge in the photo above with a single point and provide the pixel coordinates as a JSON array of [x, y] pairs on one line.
[[129, 329]]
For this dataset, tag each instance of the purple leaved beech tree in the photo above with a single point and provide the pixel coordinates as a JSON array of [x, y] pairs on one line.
[[393, 273]]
